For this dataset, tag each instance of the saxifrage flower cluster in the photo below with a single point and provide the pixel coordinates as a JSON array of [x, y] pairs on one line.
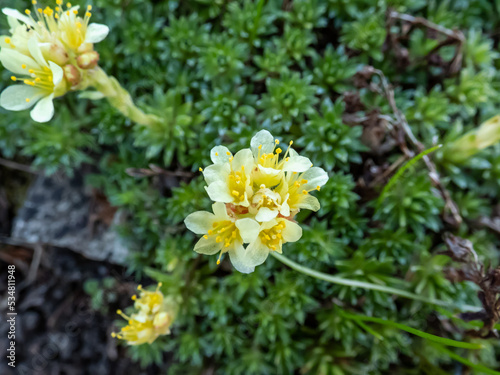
[[257, 193], [49, 51]]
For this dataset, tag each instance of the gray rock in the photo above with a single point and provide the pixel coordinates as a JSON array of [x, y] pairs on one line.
[[57, 211]]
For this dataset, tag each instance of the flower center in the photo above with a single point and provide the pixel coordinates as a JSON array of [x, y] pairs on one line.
[[237, 184], [272, 237], [225, 231], [266, 198]]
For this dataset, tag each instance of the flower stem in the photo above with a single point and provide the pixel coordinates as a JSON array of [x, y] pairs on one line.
[[362, 284], [119, 98], [416, 332]]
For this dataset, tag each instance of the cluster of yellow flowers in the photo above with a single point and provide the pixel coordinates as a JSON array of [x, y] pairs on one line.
[[257, 193], [49, 51], [153, 318]]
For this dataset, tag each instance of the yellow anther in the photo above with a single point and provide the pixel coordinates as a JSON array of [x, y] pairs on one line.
[[58, 9], [68, 5], [210, 232], [218, 239], [13, 78], [159, 285], [78, 25], [7, 40], [75, 12], [260, 147], [134, 297], [37, 79], [27, 11], [89, 7], [235, 193], [67, 13], [318, 188], [113, 334], [218, 261], [276, 141], [29, 83], [205, 237], [139, 287], [287, 159], [304, 181], [118, 311], [228, 153], [279, 150], [56, 16], [304, 192], [231, 158], [33, 2], [297, 183], [23, 66], [31, 71], [88, 14], [294, 172], [59, 2], [40, 10], [216, 154], [200, 169], [291, 143], [27, 100]]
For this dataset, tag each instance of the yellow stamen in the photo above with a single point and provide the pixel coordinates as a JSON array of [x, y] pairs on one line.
[[78, 25], [89, 7], [40, 10], [59, 2], [7, 40], [13, 78], [88, 14], [134, 297], [68, 5], [228, 153], [277, 142], [304, 192], [216, 154], [200, 169], [318, 188], [27, 100], [33, 2], [279, 150], [31, 71], [23, 66], [27, 11], [75, 12]]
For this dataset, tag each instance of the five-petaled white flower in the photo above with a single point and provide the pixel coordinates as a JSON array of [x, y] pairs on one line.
[[224, 233]]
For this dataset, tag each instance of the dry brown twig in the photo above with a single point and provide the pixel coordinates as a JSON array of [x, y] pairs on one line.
[[401, 127]]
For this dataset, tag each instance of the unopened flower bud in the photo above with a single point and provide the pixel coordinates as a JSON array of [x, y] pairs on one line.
[[54, 52], [88, 60], [72, 74]]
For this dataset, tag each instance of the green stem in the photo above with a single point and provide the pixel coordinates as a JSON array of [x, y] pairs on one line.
[[362, 284], [413, 331], [119, 98], [465, 361]]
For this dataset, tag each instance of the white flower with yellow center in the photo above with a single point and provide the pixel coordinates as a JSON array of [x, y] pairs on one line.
[[41, 82], [223, 233], [301, 184], [228, 178], [269, 166], [153, 317], [267, 204], [272, 235]]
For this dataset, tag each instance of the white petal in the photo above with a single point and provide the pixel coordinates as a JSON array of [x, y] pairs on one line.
[[243, 158], [207, 246], [13, 61], [199, 222], [17, 15], [256, 253], [14, 97], [220, 154], [264, 139], [36, 52], [57, 73], [96, 33], [297, 164], [220, 211], [13, 23], [44, 109], [315, 177], [265, 214], [308, 202], [239, 261], [249, 229], [285, 207], [218, 192], [292, 231], [216, 172]]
